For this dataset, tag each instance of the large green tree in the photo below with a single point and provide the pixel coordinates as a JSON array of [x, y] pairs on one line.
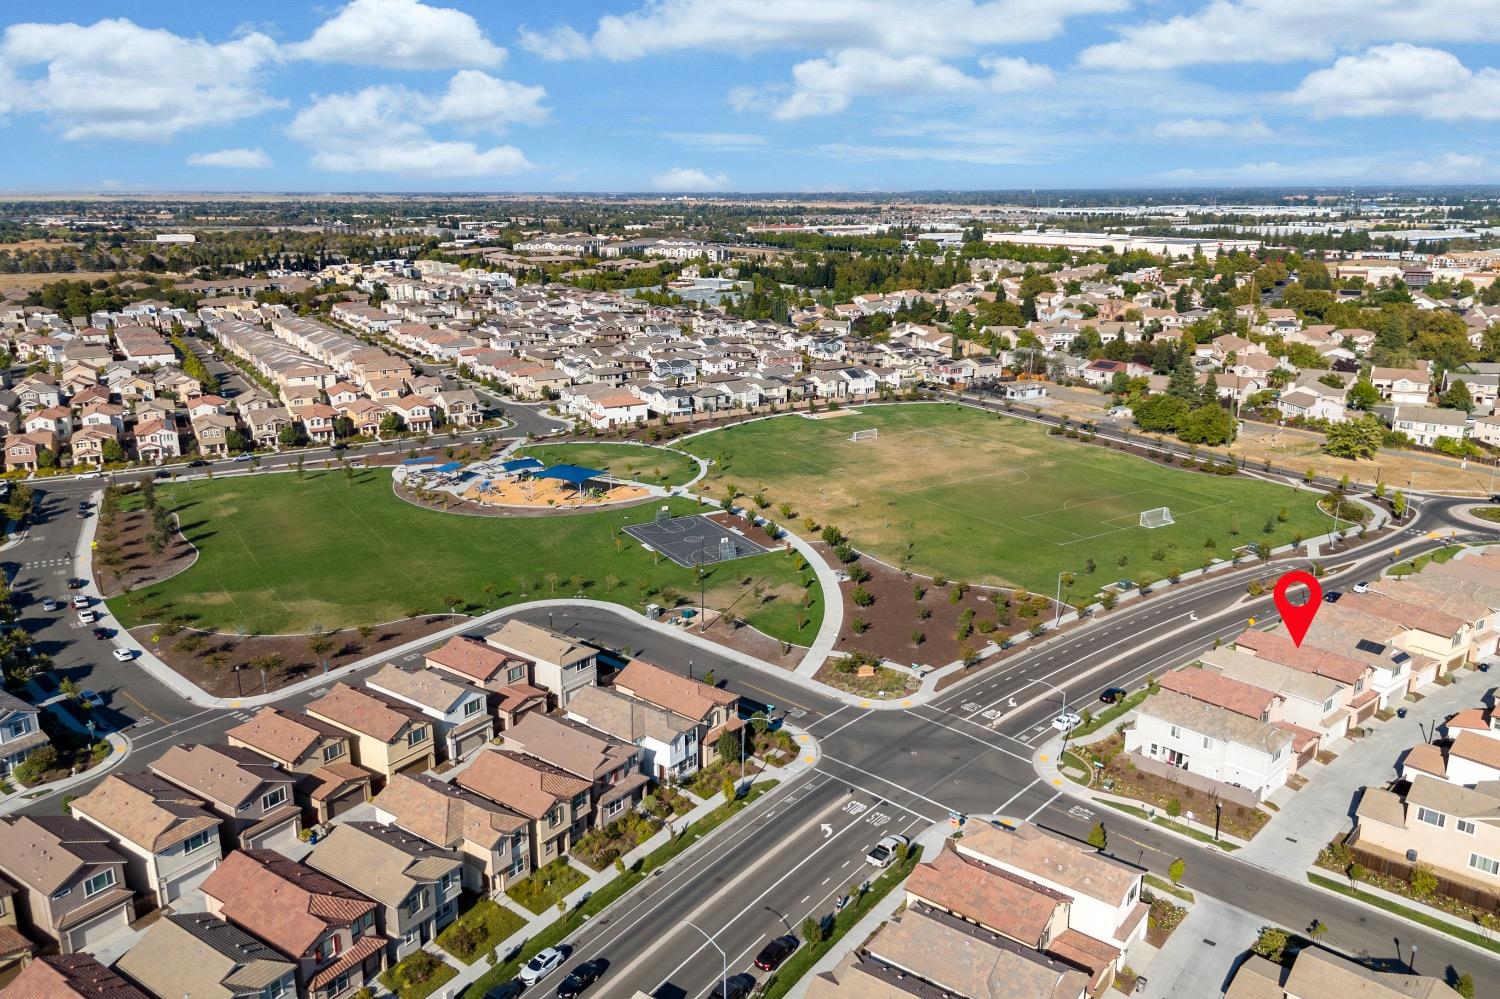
[[1357, 439]]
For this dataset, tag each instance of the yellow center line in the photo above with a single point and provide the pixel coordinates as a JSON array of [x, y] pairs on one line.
[[132, 699]]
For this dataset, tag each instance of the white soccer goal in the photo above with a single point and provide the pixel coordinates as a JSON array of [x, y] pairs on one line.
[[1158, 517], [865, 435]]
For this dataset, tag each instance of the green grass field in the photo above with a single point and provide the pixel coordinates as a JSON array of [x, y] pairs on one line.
[[277, 555], [651, 465], [998, 501]]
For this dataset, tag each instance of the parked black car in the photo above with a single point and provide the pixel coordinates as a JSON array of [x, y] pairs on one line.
[[582, 977], [1113, 694], [735, 987], [773, 953]]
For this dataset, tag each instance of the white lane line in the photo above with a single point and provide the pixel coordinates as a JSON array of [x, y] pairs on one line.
[[1004, 804], [883, 780], [830, 735], [818, 721], [966, 735], [1043, 806]]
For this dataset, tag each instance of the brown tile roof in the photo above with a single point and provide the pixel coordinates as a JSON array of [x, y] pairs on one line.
[[201, 956], [537, 643], [668, 690], [226, 774], [1425, 758], [569, 745], [70, 976], [520, 782], [474, 659], [1407, 615], [14, 943], [145, 810], [46, 852], [364, 711], [363, 948], [284, 736], [515, 696], [1040, 854], [1471, 718], [1085, 951], [444, 814], [1219, 690], [1280, 649], [428, 687], [1020, 910], [383, 862], [286, 904], [1480, 749]]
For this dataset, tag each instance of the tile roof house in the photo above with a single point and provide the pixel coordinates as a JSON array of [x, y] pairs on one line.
[[668, 740], [71, 880], [490, 837], [560, 665], [555, 802], [20, 731], [15, 949], [459, 711], [169, 838], [326, 928], [1319, 974], [202, 956], [716, 711], [506, 677], [611, 765], [1213, 742], [390, 737], [1451, 829], [416, 884], [70, 976], [319, 754], [252, 794]]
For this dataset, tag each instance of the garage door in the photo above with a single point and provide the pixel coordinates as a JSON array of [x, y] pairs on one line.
[[468, 743], [344, 802], [99, 929], [181, 884], [279, 838]]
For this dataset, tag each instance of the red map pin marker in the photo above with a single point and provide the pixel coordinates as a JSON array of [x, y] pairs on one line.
[[1298, 617]]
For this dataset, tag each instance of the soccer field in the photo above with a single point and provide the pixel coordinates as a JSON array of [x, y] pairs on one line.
[[998, 501]]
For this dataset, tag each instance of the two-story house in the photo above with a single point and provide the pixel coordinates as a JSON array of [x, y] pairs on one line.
[[1453, 830], [548, 797], [506, 678], [389, 737], [668, 741], [15, 948], [319, 754], [491, 838], [72, 880], [460, 720], [70, 976], [416, 884], [1301, 702], [716, 711], [250, 793], [327, 929], [201, 956], [611, 765], [1212, 742], [20, 731], [560, 665], [169, 838]]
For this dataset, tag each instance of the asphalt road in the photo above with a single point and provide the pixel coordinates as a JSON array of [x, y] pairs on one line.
[[881, 770]]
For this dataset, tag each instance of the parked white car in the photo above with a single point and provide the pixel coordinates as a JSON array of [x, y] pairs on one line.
[[543, 964], [123, 655], [1067, 721]]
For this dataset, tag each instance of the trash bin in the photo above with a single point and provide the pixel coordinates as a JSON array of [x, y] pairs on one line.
[[1400, 712]]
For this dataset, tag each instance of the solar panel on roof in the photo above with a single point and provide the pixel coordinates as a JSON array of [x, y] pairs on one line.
[[1365, 645]]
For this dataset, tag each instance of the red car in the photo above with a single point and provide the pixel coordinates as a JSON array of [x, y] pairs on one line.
[[773, 953]]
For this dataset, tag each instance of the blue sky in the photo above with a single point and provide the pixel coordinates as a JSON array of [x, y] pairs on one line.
[[746, 95]]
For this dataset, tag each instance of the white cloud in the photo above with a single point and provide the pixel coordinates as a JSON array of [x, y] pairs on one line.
[[940, 28], [384, 129], [1211, 128], [689, 179], [116, 80], [1442, 168], [1247, 31], [400, 34], [231, 159], [828, 85], [1401, 79], [477, 100], [725, 142]]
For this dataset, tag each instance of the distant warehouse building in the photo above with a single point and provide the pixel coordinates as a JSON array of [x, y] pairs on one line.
[[1164, 246]]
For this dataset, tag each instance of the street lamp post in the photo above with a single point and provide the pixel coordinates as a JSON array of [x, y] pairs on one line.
[[1057, 618], [724, 970], [702, 582], [1412, 964], [264, 681], [239, 689]]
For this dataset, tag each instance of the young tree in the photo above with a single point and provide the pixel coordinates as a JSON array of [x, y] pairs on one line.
[[1458, 396], [1098, 838], [1175, 870]]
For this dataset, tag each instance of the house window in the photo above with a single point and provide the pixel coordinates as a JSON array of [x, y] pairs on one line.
[[415, 902], [516, 674], [341, 984], [198, 841], [1328, 705], [1208, 743], [1485, 864], [1466, 827], [99, 882], [333, 751], [280, 989], [1176, 732], [18, 728], [328, 949], [274, 798], [417, 736], [1431, 817], [614, 807], [472, 707]]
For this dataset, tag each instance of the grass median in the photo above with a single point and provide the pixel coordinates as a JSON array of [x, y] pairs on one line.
[[1406, 912]]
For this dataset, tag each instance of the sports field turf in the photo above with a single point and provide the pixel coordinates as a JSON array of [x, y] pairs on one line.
[[998, 501], [278, 554], [652, 465]]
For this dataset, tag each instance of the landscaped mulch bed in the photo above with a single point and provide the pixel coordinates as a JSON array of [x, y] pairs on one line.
[[1130, 782], [298, 661], [142, 566]]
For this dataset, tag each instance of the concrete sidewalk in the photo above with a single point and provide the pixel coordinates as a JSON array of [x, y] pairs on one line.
[[1197, 960]]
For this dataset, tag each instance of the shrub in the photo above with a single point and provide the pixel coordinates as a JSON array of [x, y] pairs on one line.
[[861, 596], [859, 625], [1271, 944], [1422, 881]]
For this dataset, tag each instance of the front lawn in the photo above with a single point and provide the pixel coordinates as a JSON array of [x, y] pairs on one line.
[[475, 933], [1420, 562], [279, 554], [599, 847], [655, 466], [708, 781], [541, 889], [418, 975]]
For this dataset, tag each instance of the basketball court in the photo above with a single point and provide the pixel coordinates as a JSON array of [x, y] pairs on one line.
[[693, 541]]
